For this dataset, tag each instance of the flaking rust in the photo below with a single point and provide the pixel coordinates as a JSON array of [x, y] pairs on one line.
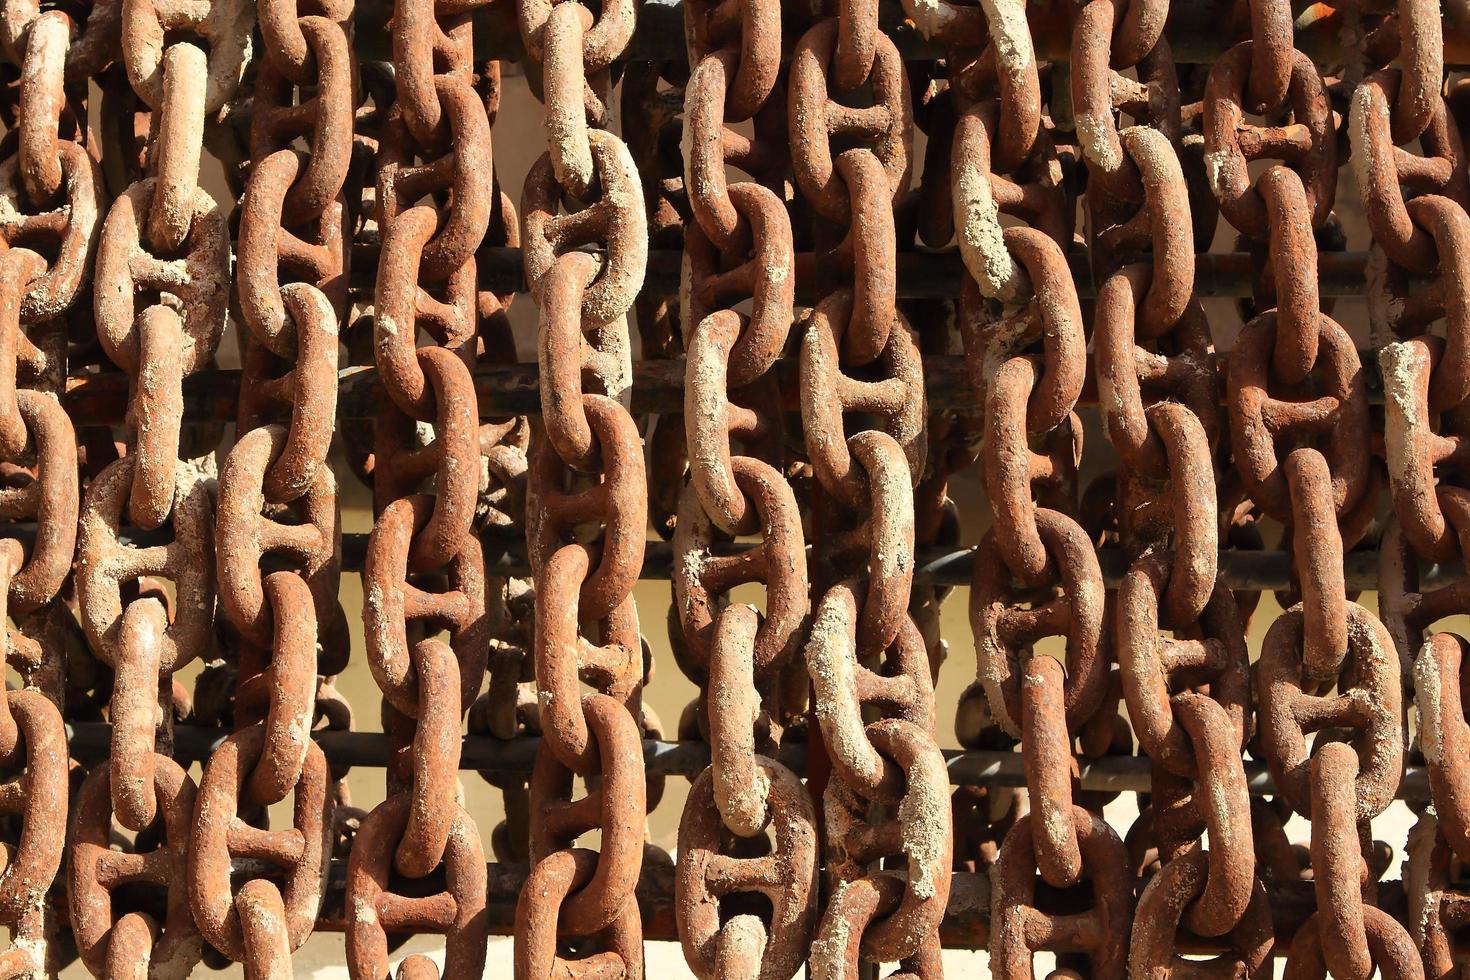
[[800, 486]]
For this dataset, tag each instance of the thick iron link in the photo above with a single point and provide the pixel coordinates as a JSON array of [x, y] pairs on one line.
[[804, 166]]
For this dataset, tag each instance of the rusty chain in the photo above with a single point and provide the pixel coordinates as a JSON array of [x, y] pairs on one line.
[[53, 204], [1081, 165], [425, 611], [585, 235], [739, 246]]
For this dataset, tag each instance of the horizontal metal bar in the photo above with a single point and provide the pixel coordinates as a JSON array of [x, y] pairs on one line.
[[500, 390], [91, 741], [922, 274], [515, 389], [1248, 570], [966, 923], [1259, 571], [967, 916], [1198, 31], [658, 385]]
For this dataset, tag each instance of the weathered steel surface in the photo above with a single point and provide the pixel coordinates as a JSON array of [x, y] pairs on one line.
[[840, 324]]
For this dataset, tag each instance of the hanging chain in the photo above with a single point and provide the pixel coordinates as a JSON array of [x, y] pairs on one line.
[[161, 291], [585, 237], [739, 247], [873, 697], [424, 572], [862, 352], [52, 196], [278, 496]]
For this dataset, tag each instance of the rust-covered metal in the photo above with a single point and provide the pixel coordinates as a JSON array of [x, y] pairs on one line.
[[830, 297]]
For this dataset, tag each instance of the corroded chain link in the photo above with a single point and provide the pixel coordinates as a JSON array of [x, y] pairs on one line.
[[1415, 208], [863, 414], [1021, 323], [1306, 464], [52, 196], [585, 237], [833, 387], [739, 247], [161, 292], [278, 497], [423, 575], [1188, 694]]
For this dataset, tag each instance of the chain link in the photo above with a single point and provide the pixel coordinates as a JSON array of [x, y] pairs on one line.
[[586, 245], [52, 202], [785, 416]]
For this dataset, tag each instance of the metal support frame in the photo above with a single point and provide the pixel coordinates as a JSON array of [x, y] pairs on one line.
[[1198, 32], [91, 740]]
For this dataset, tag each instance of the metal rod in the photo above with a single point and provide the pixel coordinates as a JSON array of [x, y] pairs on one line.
[[501, 390], [922, 274], [1250, 570], [966, 923], [515, 389], [1257, 571], [658, 385], [1198, 32], [91, 741]]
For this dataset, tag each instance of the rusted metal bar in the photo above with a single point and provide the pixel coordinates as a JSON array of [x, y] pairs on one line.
[[1128, 774], [966, 922], [925, 274], [514, 389], [101, 399], [1252, 570], [1198, 32]]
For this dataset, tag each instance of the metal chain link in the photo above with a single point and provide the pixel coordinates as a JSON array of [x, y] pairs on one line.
[[424, 572], [862, 351], [585, 237]]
